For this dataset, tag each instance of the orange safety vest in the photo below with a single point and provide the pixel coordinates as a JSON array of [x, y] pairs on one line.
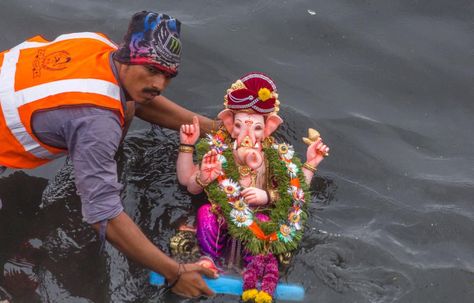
[[72, 70]]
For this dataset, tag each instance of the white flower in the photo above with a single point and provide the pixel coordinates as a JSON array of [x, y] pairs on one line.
[[216, 143], [285, 151], [240, 205], [286, 233], [209, 139], [231, 188], [294, 217], [296, 193], [292, 169], [241, 218]]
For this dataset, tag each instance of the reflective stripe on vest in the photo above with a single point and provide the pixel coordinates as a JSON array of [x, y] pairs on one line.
[[11, 100]]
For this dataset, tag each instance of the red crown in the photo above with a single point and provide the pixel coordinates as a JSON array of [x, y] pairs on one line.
[[255, 92]]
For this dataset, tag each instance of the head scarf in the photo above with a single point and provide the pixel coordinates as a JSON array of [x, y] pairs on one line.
[[256, 92], [152, 39]]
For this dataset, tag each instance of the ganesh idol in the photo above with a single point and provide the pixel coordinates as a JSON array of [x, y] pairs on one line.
[[257, 189]]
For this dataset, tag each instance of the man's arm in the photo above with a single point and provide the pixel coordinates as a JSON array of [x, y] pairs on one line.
[[166, 113], [125, 235], [92, 142]]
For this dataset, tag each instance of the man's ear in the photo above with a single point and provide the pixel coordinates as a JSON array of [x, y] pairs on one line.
[[227, 117], [271, 124]]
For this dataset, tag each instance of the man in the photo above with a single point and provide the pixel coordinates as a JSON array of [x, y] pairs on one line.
[[77, 95]]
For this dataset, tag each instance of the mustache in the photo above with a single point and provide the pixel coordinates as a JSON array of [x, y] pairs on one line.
[[152, 91]]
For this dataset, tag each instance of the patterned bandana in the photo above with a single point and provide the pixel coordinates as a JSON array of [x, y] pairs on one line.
[[152, 39], [256, 92]]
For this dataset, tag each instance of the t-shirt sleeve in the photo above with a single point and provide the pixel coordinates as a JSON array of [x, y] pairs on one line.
[[92, 142]]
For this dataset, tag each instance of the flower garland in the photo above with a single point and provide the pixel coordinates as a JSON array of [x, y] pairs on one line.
[[287, 216], [265, 268]]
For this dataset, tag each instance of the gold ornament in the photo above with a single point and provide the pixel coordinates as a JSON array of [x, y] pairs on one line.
[[313, 136], [183, 243], [246, 142], [199, 182], [268, 142], [282, 149], [310, 167], [186, 149], [277, 105], [237, 85], [285, 258], [244, 171]]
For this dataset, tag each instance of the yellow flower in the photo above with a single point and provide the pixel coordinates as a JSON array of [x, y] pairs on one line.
[[240, 205], [263, 297], [264, 94], [249, 294], [285, 230]]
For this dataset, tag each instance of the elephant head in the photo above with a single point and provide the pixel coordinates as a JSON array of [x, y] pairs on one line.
[[250, 116]]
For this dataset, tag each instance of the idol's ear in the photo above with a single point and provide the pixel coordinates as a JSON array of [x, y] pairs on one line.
[[227, 117], [271, 124]]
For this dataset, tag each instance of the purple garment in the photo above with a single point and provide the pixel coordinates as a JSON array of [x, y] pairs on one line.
[[92, 136]]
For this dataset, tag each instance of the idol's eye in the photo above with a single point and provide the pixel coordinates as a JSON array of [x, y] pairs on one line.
[[237, 125], [258, 127]]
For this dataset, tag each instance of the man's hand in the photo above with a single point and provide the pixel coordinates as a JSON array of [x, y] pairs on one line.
[[166, 113], [125, 235], [191, 284], [189, 133]]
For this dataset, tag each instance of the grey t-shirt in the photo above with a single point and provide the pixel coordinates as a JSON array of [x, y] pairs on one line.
[[91, 136]]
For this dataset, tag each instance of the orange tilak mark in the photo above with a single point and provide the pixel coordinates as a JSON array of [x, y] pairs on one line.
[[248, 122]]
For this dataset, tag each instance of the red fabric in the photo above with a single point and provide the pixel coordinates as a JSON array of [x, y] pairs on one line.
[[244, 98]]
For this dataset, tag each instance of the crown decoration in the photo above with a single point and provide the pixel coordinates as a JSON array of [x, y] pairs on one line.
[[254, 92]]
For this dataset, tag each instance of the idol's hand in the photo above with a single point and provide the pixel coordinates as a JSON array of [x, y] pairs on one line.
[[316, 152], [211, 167], [189, 133], [255, 196]]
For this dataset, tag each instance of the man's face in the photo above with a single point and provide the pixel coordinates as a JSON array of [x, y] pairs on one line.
[[142, 83]]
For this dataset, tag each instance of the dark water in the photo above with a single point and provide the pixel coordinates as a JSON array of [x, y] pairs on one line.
[[387, 83]]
